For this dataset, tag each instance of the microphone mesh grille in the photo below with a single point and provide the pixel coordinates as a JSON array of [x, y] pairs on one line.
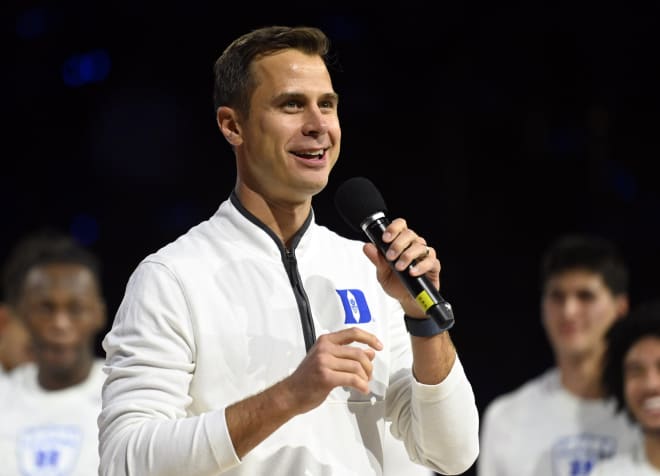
[[356, 199]]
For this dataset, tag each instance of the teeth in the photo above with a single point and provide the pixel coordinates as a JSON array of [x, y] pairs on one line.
[[318, 152], [652, 403]]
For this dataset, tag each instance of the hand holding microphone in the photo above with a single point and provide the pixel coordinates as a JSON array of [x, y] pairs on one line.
[[361, 205]]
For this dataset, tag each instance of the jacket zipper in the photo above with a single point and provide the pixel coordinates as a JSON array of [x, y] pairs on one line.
[[291, 265]]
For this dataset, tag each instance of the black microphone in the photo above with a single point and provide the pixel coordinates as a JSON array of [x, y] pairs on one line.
[[361, 205]]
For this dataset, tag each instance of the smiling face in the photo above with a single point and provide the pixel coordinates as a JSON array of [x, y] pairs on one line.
[[578, 309], [641, 381], [290, 141]]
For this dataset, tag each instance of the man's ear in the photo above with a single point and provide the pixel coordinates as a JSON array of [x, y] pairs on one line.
[[4, 317], [101, 317], [227, 120], [622, 305]]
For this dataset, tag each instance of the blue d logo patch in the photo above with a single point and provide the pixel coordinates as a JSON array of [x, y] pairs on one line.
[[356, 310]]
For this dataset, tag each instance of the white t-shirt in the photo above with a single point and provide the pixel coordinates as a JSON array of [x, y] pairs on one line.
[[49, 432], [627, 464], [540, 429]]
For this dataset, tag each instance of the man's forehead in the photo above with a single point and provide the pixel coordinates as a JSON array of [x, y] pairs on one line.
[[57, 274], [576, 279]]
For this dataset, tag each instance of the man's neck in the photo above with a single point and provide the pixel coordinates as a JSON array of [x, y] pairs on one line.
[[49, 380], [581, 376], [652, 447], [283, 218]]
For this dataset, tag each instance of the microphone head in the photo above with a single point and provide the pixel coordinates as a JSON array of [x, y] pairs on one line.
[[357, 199]]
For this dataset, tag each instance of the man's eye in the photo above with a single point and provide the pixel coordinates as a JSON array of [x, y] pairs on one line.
[[76, 309], [555, 296], [586, 296], [633, 371]]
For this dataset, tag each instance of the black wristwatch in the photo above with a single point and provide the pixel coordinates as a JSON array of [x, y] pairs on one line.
[[424, 327]]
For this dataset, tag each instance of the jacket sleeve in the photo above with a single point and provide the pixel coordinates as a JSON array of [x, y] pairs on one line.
[[144, 428], [439, 424]]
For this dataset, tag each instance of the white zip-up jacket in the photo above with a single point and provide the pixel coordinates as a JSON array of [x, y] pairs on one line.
[[224, 312]]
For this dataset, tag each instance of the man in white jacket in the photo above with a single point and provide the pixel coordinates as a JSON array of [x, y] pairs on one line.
[[260, 342]]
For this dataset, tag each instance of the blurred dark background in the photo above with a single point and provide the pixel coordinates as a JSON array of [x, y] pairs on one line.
[[492, 128]]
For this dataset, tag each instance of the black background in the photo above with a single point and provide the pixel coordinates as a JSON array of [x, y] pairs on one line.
[[492, 128]]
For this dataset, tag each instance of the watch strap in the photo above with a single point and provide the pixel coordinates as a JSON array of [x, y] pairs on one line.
[[424, 327]]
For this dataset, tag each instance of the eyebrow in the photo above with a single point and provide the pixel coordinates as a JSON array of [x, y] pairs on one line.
[[331, 96], [303, 97]]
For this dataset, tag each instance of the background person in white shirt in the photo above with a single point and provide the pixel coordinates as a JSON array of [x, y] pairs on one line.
[[49, 407], [632, 376], [561, 422]]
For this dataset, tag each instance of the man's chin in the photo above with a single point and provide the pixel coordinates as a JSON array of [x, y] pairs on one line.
[[60, 361], [574, 350]]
